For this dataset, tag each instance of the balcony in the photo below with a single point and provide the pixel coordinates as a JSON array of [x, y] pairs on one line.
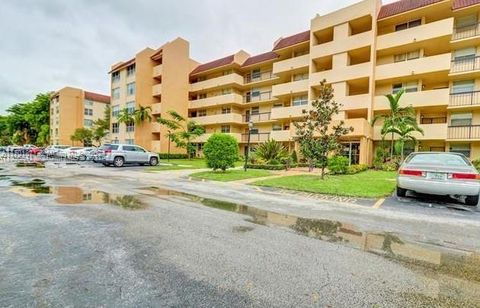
[[465, 99], [348, 72], [466, 132], [258, 117], [157, 108], [157, 90], [157, 71], [439, 97], [433, 30], [288, 112], [155, 146], [361, 101], [465, 64], [260, 137], [260, 97], [218, 82], [222, 118], [258, 77], [436, 131], [281, 135], [466, 32], [411, 68], [290, 88], [203, 138], [361, 127], [290, 64], [218, 100], [337, 46]]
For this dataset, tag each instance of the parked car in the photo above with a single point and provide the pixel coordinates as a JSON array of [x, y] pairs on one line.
[[70, 153], [35, 151], [120, 154], [84, 153], [17, 149], [439, 173], [53, 150]]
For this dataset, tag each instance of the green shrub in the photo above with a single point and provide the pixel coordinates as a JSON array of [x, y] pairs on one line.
[[221, 151], [271, 152], [381, 154], [172, 156], [267, 167], [476, 163], [274, 162], [352, 169], [294, 157], [390, 166], [338, 164]]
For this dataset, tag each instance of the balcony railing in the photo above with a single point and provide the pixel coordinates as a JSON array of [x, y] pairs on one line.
[[465, 64], [260, 76], [259, 137], [258, 117], [262, 96], [466, 32], [464, 99], [464, 132], [434, 120]]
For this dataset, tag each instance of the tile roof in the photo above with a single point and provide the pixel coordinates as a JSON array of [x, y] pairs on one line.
[[213, 64], [97, 97], [122, 65], [403, 6], [270, 55], [460, 4], [292, 40]]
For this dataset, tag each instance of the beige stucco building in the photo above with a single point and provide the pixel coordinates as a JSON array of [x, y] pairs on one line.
[[367, 50], [72, 108]]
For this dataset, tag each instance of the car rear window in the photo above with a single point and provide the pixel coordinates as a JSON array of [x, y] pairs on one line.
[[442, 159], [113, 147]]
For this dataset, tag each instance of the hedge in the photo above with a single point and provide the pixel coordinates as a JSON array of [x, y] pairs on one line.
[[172, 156], [266, 167]]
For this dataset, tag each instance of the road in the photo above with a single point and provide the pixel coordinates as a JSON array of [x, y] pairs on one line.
[[124, 238]]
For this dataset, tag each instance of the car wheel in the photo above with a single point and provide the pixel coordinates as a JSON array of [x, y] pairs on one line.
[[153, 161], [401, 192], [118, 161], [471, 200]]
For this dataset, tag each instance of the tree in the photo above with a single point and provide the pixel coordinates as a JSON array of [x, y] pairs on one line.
[[182, 131], [395, 117], [101, 127], [272, 152], [317, 133], [221, 151], [142, 114], [125, 116], [83, 135], [405, 132]]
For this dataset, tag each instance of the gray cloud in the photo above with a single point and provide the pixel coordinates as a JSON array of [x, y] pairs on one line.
[[48, 44]]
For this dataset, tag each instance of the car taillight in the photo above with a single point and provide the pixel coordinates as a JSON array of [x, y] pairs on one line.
[[108, 151], [411, 172], [464, 176]]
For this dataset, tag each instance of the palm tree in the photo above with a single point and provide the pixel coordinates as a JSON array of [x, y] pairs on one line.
[[142, 114], [125, 117], [182, 131], [405, 132], [397, 115]]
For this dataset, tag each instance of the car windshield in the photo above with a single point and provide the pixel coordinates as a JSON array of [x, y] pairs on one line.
[[442, 159]]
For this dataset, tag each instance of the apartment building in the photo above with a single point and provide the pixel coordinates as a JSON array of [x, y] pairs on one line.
[[365, 51], [72, 108]]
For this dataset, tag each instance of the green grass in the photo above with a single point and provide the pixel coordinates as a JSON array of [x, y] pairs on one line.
[[231, 175], [368, 184], [182, 164]]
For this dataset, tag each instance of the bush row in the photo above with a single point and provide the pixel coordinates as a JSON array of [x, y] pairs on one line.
[[172, 156], [266, 167]]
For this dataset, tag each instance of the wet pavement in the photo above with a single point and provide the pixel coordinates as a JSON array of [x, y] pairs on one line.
[[96, 239]]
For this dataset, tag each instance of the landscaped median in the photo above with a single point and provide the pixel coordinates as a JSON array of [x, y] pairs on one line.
[[182, 164], [367, 184], [231, 175]]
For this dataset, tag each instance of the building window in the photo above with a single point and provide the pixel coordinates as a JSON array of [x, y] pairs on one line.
[[412, 55], [88, 102], [57, 110], [411, 86], [131, 88], [226, 110], [277, 105], [56, 131], [87, 197], [202, 113], [202, 96], [298, 77], [87, 122], [115, 110], [277, 126], [255, 110], [226, 91], [407, 25], [463, 86], [129, 141], [131, 107], [115, 128], [130, 127], [461, 119], [88, 111], [115, 93], [300, 100], [225, 129], [256, 74], [227, 72], [131, 70], [465, 54], [254, 131], [300, 53], [461, 148], [115, 76]]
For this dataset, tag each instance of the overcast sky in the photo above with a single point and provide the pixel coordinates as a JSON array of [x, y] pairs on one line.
[[48, 44]]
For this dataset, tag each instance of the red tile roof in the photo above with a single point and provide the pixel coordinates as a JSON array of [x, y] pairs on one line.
[[97, 97], [292, 40], [213, 64], [403, 6], [122, 65], [260, 58], [460, 4]]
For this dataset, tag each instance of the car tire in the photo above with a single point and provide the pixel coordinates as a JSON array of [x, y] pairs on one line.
[[401, 192], [118, 161], [471, 200], [153, 161]]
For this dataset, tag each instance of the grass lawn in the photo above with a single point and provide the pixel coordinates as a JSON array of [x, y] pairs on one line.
[[231, 175], [368, 184], [180, 164]]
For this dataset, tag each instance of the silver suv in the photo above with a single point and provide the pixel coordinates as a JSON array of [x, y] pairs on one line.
[[121, 154]]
